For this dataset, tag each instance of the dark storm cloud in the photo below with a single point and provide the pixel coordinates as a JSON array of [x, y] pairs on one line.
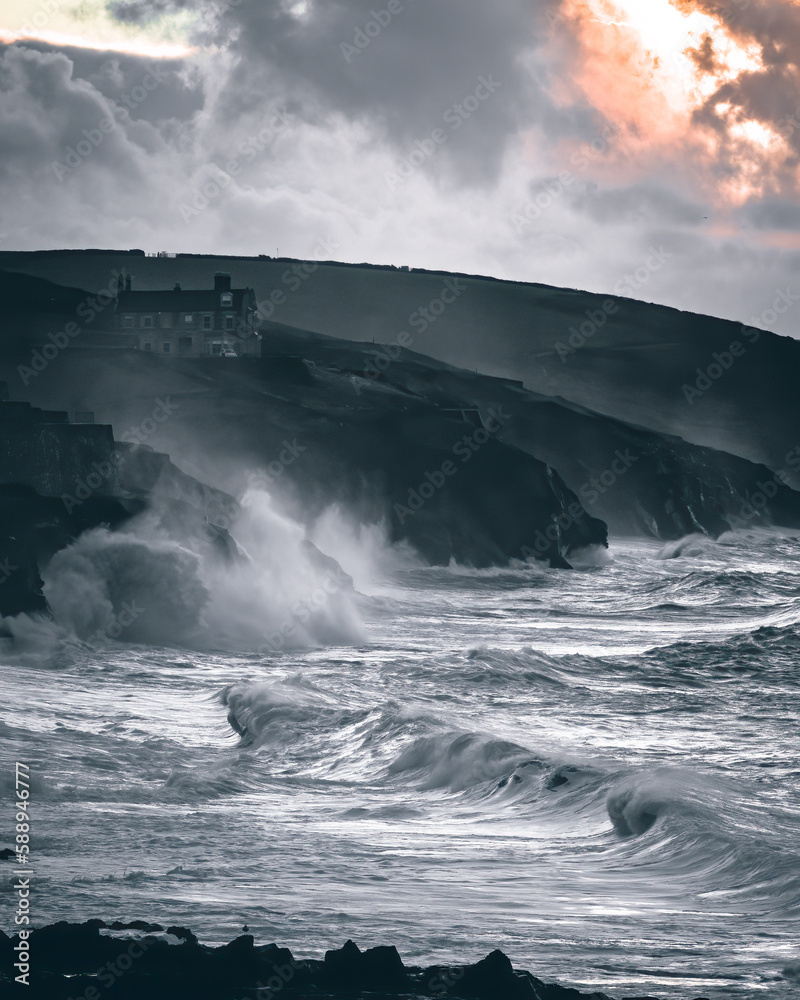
[[72, 159], [180, 93], [402, 69]]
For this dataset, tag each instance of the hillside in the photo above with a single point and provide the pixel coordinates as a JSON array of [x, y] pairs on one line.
[[633, 361], [320, 421]]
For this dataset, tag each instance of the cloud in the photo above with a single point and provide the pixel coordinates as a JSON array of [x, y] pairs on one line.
[[301, 121]]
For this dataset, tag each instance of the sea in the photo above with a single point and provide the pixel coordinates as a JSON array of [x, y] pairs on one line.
[[594, 770]]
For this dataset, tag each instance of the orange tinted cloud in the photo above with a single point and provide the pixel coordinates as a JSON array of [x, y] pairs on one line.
[[673, 76]]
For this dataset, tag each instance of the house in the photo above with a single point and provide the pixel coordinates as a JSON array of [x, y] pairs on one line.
[[191, 323]]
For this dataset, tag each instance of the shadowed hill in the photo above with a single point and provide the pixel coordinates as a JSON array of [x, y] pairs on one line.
[[462, 465], [614, 355]]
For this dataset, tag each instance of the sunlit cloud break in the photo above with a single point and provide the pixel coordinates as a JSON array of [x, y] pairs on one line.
[[654, 68]]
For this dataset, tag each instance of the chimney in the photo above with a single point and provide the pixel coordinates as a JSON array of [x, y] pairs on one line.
[[128, 280], [222, 282]]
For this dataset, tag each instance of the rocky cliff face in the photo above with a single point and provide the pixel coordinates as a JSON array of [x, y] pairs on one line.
[[32, 529], [58, 480]]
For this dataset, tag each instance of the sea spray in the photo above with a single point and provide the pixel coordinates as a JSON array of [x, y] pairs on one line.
[[268, 591]]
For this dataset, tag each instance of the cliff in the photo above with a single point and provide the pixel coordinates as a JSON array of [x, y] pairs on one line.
[[58, 480]]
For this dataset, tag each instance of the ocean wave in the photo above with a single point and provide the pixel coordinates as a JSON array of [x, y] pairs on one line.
[[141, 585]]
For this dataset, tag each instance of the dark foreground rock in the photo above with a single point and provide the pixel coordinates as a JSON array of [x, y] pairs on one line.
[[119, 961]]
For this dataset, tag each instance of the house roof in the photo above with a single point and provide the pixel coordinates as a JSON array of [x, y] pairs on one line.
[[185, 300]]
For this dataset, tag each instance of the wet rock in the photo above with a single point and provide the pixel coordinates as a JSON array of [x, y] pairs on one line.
[[136, 925], [375, 969], [183, 933], [77, 961]]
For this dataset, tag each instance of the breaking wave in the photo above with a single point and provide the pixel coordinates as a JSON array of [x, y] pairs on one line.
[[269, 592]]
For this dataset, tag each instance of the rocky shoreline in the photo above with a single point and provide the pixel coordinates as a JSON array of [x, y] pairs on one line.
[[128, 961]]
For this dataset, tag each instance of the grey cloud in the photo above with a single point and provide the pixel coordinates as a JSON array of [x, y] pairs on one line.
[[398, 84], [645, 204], [179, 96], [771, 214]]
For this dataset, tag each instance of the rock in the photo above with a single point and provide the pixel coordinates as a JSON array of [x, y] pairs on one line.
[[71, 948], [136, 925], [7, 854], [183, 933], [72, 959], [343, 966], [492, 978], [375, 969]]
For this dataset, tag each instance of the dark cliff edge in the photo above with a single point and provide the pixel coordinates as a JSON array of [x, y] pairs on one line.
[[60, 479], [639, 482], [142, 960]]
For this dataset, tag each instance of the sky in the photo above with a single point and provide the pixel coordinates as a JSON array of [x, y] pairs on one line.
[[569, 142]]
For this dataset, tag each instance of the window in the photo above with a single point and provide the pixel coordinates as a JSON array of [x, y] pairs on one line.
[[167, 347], [166, 321], [206, 322], [148, 347], [226, 300], [188, 318], [230, 322], [147, 322], [129, 322]]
